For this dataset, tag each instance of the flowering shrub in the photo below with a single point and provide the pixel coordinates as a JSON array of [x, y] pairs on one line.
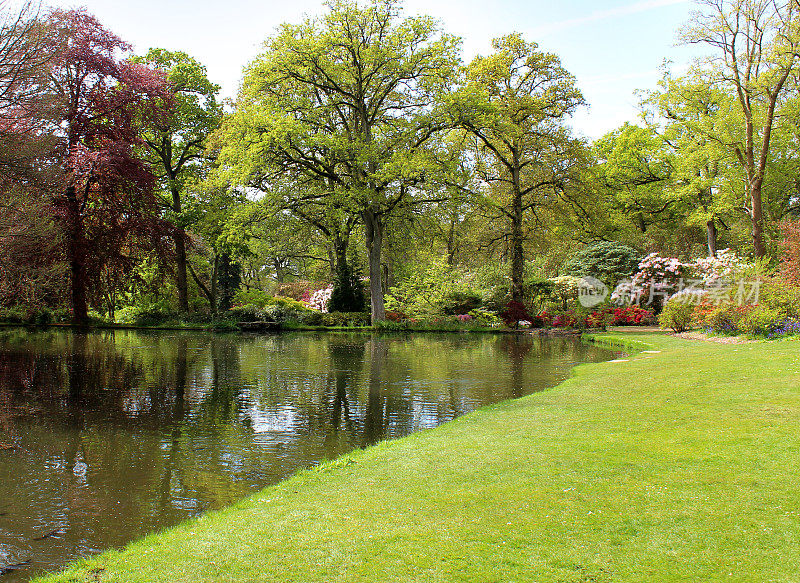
[[464, 318], [788, 327], [600, 317], [514, 313], [723, 266], [595, 320], [573, 319], [565, 289], [629, 316], [654, 268], [395, 316], [320, 299], [724, 318], [653, 282], [790, 260], [565, 320], [297, 290]]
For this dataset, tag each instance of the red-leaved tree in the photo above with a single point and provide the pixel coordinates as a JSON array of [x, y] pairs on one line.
[[106, 202]]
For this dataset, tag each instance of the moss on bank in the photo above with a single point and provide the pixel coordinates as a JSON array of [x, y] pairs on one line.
[[669, 466]]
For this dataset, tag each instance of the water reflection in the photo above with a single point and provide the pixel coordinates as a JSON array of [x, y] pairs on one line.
[[109, 435]]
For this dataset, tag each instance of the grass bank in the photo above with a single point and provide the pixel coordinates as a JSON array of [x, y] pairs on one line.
[[679, 465]]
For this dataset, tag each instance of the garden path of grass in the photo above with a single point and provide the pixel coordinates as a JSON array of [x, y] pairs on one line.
[[675, 466]]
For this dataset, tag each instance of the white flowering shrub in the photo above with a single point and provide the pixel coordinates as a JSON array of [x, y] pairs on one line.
[[724, 266], [566, 289], [320, 299], [655, 268], [655, 280]]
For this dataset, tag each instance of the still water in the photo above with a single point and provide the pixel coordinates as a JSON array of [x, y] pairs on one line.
[[109, 435]]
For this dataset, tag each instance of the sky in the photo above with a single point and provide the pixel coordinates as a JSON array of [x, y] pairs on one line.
[[612, 47]]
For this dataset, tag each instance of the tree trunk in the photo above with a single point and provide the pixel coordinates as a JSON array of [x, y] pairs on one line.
[[211, 294], [711, 235], [214, 277], [277, 263], [179, 237], [451, 243], [373, 230], [757, 218], [77, 259], [180, 271], [517, 253], [339, 255]]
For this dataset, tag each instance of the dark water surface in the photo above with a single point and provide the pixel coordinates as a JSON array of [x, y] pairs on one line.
[[109, 435]]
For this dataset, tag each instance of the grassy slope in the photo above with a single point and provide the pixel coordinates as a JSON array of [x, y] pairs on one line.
[[678, 466]]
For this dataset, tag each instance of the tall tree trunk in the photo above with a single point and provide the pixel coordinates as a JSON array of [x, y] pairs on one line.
[[77, 258], [214, 285], [180, 270], [517, 253], [179, 236], [451, 242], [277, 263], [373, 230], [757, 218], [211, 294], [711, 236], [339, 253]]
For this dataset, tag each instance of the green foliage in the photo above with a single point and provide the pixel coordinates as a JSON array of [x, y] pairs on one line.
[[256, 297], [245, 313], [430, 324], [492, 279], [14, 315], [346, 319], [724, 318], [514, 103], [288, 304], [761, 320], [154, 315], [348, 291], [437, 289], [284, 310], [485, 318], [460, 301], [779, 294], [312, 318], [539, 291], [677, 315], [270, 308], [608, 261], [349, 115], [565, 290], [28, 315], [175, 146]]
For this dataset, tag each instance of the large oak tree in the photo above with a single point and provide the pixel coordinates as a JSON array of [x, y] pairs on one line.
[[347, 101], [515, 103]]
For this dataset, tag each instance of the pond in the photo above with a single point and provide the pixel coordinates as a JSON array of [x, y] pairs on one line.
[[106, 436]]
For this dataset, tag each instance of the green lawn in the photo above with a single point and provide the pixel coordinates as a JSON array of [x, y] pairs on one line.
[[676, 466]]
